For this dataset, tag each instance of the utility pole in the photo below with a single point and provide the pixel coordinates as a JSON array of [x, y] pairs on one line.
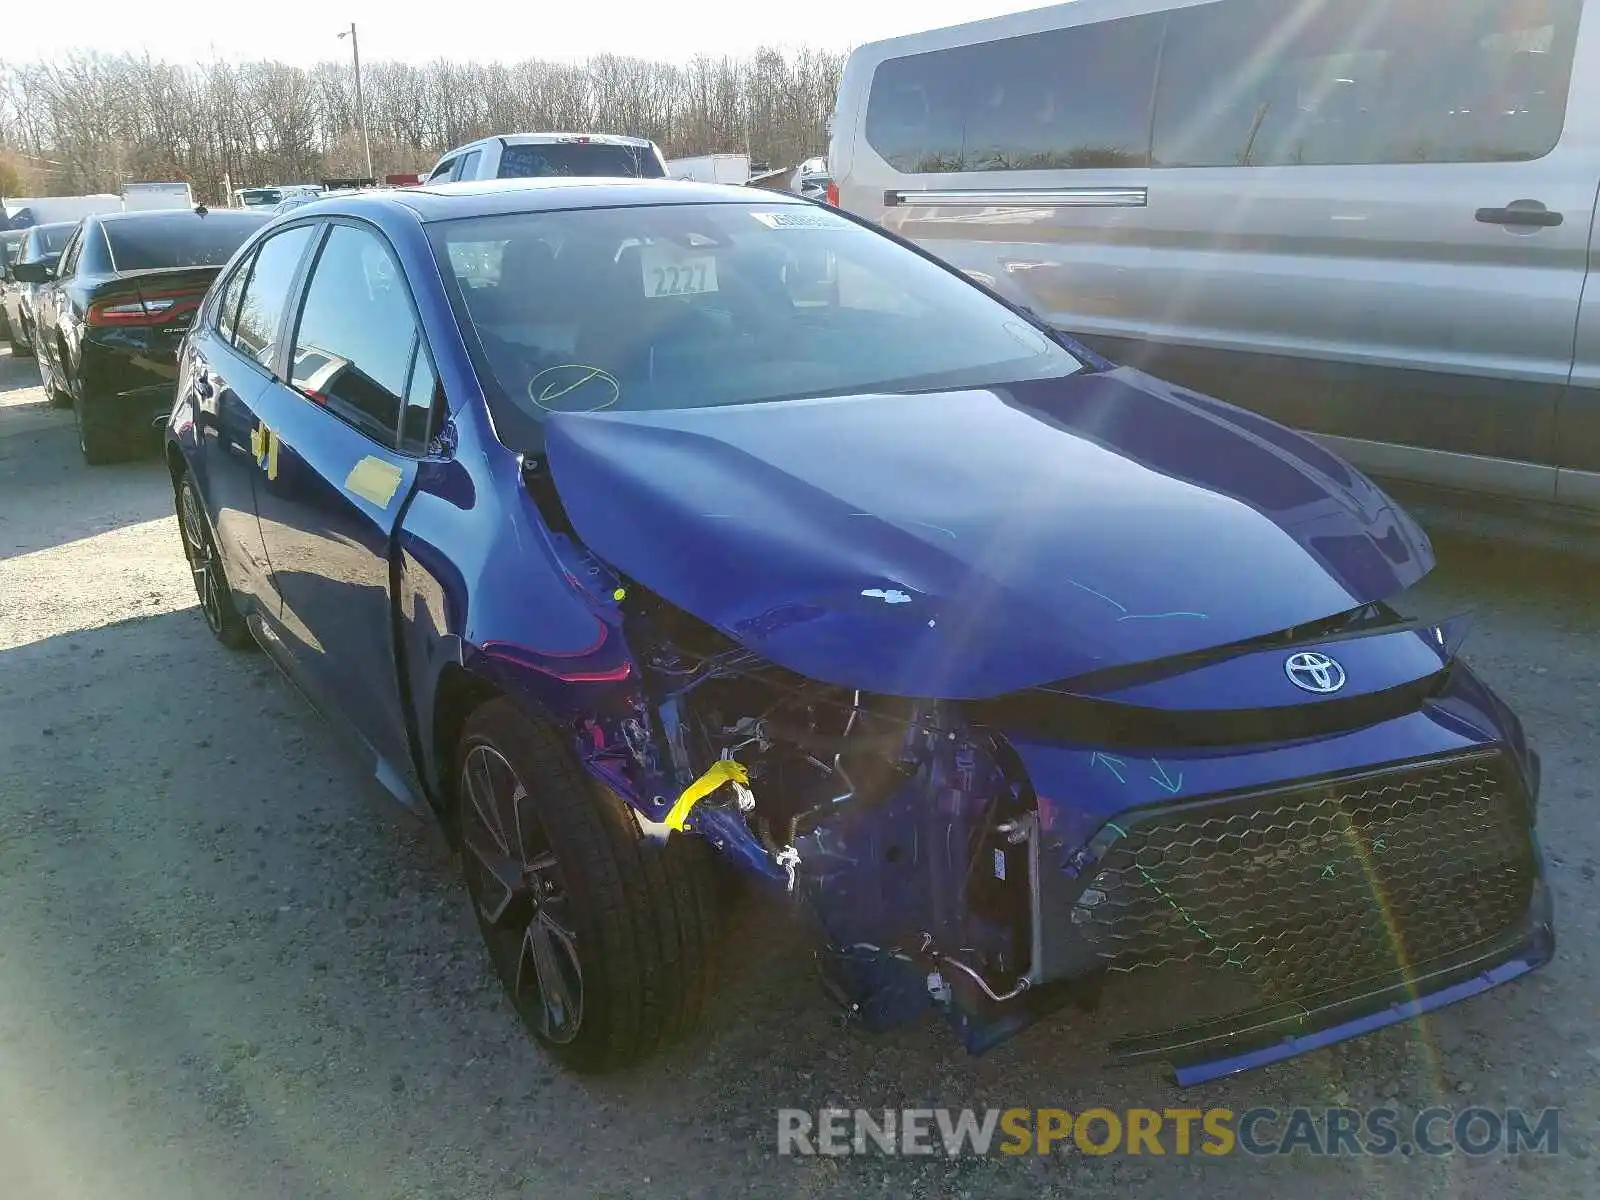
[[361, 103]]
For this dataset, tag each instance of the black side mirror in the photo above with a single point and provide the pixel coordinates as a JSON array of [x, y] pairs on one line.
[[33, 272]]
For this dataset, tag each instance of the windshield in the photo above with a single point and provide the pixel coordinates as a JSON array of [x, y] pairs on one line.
[[260, 197], [181, 239], [578, 158], [696, 305]]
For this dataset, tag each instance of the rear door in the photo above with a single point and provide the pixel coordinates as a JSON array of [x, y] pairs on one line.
[[346, 430], [228, 366]]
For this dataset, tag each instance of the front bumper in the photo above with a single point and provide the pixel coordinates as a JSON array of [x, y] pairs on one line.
[[1200, 1053], [1279, 917]]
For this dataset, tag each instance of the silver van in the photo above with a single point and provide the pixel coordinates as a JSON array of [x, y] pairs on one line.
[[1369, 219]]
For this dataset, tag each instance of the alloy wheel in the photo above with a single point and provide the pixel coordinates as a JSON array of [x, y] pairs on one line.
[[202, 555], [520, 895]]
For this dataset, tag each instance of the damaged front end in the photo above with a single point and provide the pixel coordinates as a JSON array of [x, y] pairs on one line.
[[1248, 863], [908, 832], [1253, 888]]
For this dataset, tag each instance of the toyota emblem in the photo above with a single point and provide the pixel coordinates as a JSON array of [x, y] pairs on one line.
[[1313, 672]]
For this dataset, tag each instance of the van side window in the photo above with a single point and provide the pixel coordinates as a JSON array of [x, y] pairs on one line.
[[1064, 98], [1261, 83]]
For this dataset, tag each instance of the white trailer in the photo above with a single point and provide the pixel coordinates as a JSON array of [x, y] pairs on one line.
[[711, 168], [139, 196], [24, 211]]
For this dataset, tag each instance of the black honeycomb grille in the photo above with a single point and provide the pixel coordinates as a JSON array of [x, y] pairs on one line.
[[1322, 887]]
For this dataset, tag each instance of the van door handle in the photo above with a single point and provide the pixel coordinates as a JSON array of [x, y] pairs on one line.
[[1526, 213]]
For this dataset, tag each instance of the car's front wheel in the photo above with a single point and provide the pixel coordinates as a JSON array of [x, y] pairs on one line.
[[205, 565], [601, 939]]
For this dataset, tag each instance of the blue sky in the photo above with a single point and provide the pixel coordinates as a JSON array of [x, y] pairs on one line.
[[304, 31]]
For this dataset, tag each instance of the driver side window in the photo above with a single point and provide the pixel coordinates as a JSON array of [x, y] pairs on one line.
[[357, 347]]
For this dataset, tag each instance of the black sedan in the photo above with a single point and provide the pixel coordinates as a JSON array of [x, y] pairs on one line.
[[41, 244], [110, 318]]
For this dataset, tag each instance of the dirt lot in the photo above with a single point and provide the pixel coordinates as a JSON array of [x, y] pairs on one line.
[[230, 966]]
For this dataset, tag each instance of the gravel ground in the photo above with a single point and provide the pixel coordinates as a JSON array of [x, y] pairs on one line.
[[230, 966]]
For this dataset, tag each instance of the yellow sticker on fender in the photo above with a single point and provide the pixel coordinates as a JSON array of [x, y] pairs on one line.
[[373, 480]]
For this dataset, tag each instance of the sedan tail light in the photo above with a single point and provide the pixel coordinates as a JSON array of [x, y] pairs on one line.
[[148, 308], [833, 193]]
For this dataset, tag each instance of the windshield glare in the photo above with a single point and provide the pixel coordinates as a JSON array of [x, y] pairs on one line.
[[697, 305]]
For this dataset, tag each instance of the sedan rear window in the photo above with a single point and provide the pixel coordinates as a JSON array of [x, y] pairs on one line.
[[696, 305], [579, 158], [179, 240]]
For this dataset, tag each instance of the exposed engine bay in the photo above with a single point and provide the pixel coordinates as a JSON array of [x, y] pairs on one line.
[[911, 836]]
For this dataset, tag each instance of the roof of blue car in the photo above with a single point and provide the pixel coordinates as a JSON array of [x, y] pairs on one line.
[[489, 197]]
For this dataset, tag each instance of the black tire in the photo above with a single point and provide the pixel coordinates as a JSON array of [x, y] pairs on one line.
[[631, 924], [99, 446], [58, 396], [205, 565]]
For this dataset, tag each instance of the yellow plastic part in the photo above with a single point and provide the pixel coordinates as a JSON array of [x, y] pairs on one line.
[[720, 772]]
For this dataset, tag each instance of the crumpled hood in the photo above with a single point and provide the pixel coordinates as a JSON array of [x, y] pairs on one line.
[[967, 543]]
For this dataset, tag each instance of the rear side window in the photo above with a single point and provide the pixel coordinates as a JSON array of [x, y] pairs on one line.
[[1064, 98], [580, 159], [357, 340], [266, 294], [1261, 83], [188, 240], [228, 303]]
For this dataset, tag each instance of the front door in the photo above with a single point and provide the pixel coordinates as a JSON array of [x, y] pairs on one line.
[[340, 457]]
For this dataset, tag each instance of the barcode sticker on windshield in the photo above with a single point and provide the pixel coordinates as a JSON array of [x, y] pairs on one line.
[[800, 217], [669, 274]]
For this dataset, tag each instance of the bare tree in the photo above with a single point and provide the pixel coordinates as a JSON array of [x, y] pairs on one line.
[[90, 122]]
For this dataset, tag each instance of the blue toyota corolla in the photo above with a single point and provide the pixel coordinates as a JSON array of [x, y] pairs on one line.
[[632, 525]]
